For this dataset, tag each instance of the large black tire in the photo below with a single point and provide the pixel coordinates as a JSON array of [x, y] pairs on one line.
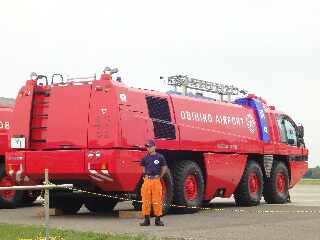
[[137, 203], [26, 199], [276, 187], [100, 204], [68, 205], [167, 194], [250, 187], [8, 199], [188, 187]]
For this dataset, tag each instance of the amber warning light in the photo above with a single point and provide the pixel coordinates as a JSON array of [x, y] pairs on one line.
[[14, 167], [98, 166]]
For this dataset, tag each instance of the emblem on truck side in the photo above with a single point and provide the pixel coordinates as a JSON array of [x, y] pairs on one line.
[[250, 123], [123, 97]]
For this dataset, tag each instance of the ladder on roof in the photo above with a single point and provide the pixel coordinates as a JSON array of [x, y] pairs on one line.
[[186, 83]]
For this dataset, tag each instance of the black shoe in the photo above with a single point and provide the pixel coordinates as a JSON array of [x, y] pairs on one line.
[[158, 222], [146, 221]]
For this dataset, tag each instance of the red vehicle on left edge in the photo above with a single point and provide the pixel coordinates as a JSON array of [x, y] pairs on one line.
[[9, 199]]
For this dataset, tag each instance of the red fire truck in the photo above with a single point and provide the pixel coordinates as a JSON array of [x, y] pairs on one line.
[[92, 133], [9, 199]]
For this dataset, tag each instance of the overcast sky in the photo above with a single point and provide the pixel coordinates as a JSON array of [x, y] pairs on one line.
[[270, 48]]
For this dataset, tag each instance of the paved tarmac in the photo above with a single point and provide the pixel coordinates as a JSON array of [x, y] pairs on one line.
[[299, 219]]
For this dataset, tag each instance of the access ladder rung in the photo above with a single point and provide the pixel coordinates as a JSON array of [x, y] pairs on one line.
[[39, 127], [40, 102], [42, 91], [40, 115], [38, 140]]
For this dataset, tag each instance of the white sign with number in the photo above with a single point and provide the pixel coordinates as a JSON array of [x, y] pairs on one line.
[[18, 142]]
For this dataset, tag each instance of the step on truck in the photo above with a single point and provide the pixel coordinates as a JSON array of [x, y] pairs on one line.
[[91, 133], [9, 199]]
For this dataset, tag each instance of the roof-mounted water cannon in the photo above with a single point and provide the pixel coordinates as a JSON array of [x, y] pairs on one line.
[[33, 76], [244, 92], [110, 70], [186, 82], [33, 79]]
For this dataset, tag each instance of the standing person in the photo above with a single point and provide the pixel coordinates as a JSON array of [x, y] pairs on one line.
[[154, 167]]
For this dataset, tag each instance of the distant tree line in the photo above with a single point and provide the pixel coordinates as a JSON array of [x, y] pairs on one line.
[[313, 173], [6, 101]]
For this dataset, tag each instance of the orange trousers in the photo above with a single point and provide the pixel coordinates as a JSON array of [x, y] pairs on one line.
[[151, 193]]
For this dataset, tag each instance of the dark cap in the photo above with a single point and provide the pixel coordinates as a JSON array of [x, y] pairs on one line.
[[150, 143]]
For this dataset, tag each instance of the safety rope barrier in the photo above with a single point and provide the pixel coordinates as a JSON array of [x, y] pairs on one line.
[[44, 204], [194, 207]]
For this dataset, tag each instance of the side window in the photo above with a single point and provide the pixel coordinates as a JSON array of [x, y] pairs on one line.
[[282, 129], [287, 130], [291, 132]]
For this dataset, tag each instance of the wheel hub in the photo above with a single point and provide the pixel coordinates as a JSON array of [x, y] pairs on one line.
[[191, 187], [7, 182], [253, 183], [280, 183]]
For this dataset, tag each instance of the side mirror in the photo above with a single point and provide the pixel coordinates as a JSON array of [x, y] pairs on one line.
[[300, 131], [301, 142]]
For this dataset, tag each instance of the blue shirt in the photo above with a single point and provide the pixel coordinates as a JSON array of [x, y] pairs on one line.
[[153, 164]]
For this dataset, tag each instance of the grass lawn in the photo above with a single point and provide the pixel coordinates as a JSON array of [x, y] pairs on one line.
[[31, 232], [309, 181]]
